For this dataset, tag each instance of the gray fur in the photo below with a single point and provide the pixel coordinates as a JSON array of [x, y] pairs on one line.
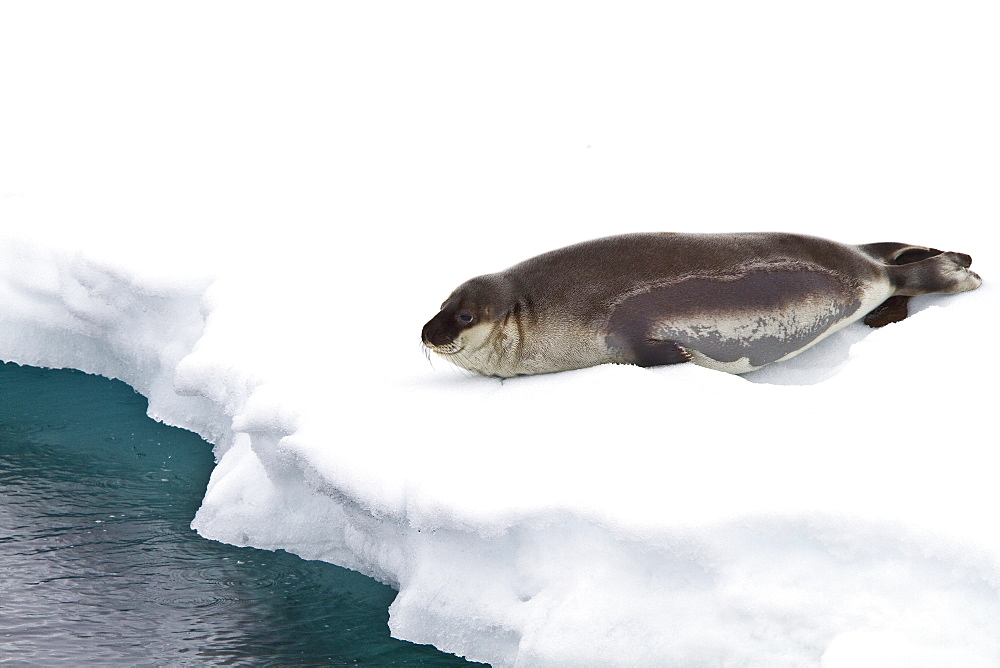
[[733, 302]]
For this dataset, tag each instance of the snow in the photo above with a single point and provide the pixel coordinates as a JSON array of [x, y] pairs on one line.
[[247, 211]]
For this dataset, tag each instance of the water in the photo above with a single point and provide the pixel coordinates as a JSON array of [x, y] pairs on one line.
[[99, 565]]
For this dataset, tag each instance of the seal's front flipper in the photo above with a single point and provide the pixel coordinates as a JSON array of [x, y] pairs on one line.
[[891, 310], [657, 353], [635, 348]]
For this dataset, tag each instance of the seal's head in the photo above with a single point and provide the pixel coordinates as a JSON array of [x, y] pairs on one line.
[[477, 325]]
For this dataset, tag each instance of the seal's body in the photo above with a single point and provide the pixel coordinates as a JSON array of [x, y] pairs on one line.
[[733, 302]]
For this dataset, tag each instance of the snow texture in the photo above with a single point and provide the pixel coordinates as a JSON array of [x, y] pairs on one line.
[[247, 211]]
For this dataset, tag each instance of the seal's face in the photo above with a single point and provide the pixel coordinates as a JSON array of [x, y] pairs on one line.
[[471, 326], [445, 333]]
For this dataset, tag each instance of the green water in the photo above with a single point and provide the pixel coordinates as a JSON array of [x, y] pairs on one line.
[[99, 565]]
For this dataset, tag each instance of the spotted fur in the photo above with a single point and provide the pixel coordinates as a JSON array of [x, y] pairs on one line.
[[733, 302]]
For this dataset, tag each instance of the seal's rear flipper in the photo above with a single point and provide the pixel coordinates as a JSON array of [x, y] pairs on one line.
[[891, 310], [891, 252], [946, 273]]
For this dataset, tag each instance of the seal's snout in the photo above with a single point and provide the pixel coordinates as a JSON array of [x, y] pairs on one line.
[[436, 334]]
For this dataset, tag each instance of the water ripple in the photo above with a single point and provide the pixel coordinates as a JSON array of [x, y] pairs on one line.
[[98, 564]]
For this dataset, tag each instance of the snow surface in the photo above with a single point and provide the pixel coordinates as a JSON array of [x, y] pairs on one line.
[[247, 211]]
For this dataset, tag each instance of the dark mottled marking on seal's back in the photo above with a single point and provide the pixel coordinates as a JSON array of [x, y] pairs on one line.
[[688, 313]]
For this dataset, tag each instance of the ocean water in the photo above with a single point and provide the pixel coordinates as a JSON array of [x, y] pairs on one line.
[[99, 565]]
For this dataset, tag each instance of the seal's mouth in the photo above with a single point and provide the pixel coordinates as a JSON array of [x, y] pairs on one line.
[[441, 335], [444, 348]]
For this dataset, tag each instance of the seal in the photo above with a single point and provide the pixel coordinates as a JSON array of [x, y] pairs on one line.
[[732, 302]]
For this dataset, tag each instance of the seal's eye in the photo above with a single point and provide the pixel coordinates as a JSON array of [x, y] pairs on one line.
[[465, 317]]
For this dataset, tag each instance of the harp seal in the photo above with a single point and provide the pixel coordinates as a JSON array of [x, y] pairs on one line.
[[733, 302]]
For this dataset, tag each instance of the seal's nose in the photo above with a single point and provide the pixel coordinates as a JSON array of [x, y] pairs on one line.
[[435, 333]]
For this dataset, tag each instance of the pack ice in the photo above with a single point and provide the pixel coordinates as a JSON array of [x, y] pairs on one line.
[[247, 212]]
